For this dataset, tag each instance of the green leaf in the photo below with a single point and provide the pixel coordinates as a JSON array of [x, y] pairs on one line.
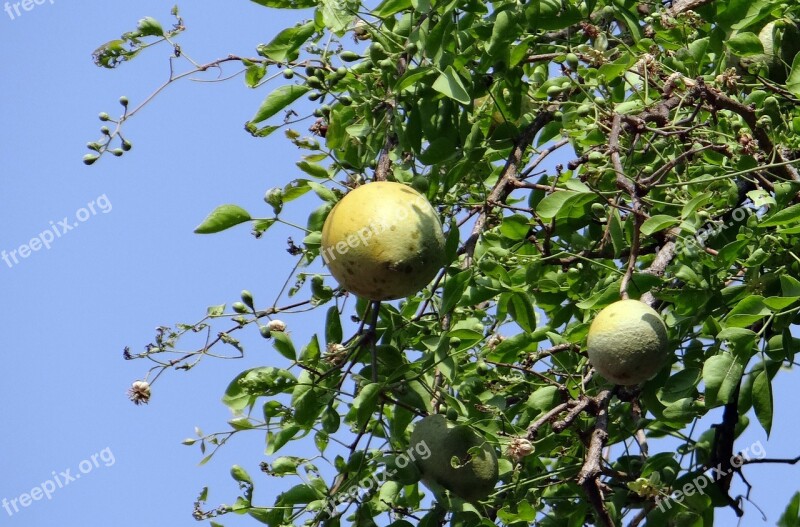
[[721, 375], [366, 402], [278, 100], [287, 43], [782, 217], [412, 77], [450, 84], [336, 15], [747, 312], [563, 203], [149, 26], [257, 382], [333, 326], [276, 441], [287, 4], [793, 82], [762, 399], [221, 218], [745, 44], [283, 344], [390, 7], [791, 516], [521, 310], [657, 223], [454, 287]]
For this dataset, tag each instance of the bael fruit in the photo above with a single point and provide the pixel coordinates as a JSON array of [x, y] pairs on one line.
[[627, 342], [475, 476], [383, 241]]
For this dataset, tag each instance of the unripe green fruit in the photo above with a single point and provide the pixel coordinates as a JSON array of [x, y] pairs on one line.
[[126, 145], [239, 307], [572, 61], [376, 51], [474, 477], [89, 159], [452, 414], [349, 56], [288, 73], [627, 342], [314, 82], [123, 101], [105, 117]]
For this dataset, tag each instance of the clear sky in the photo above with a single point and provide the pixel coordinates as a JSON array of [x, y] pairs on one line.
[[132, 263]]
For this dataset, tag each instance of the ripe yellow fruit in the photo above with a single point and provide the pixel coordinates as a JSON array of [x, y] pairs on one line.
[[383, 241], [627, 342], [474, 477]]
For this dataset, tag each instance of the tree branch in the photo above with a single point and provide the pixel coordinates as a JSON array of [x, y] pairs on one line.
[[589, 475]]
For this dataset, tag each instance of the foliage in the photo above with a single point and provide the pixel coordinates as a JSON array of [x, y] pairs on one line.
[[682, 190]]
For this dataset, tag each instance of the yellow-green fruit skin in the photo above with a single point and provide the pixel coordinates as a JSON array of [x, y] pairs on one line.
[[627, 342], [475, 477], [383, 241]]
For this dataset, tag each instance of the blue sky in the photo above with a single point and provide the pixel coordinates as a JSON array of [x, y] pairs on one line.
[[135, 264]]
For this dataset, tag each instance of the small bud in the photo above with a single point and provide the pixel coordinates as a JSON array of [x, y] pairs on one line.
[[104, 116], [247, 298], [89, 159], [126, 145], [239, 307], [123, 101], [104, 130], [264, 330], [117, 152], [276, 325], [139, 392], [94, 146]]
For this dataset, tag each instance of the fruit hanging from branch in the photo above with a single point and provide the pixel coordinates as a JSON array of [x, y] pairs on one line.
[[383, 241], [627, 342]]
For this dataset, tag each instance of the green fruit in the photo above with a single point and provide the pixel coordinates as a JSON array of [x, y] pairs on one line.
[[349, 56], [376, 51], [572, 61], [383, 241], [627, 342], [452, 414], [474, 476], [288, 73]]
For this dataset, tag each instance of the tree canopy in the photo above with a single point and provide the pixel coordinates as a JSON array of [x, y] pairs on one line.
[[577, 153]]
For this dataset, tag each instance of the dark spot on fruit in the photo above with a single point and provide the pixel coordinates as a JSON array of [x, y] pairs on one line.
[[408, 269], [415, 235], [393, 227], [412, 248]]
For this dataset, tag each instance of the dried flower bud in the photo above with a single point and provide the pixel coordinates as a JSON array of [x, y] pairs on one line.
[[518, 448], [139, 392]]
